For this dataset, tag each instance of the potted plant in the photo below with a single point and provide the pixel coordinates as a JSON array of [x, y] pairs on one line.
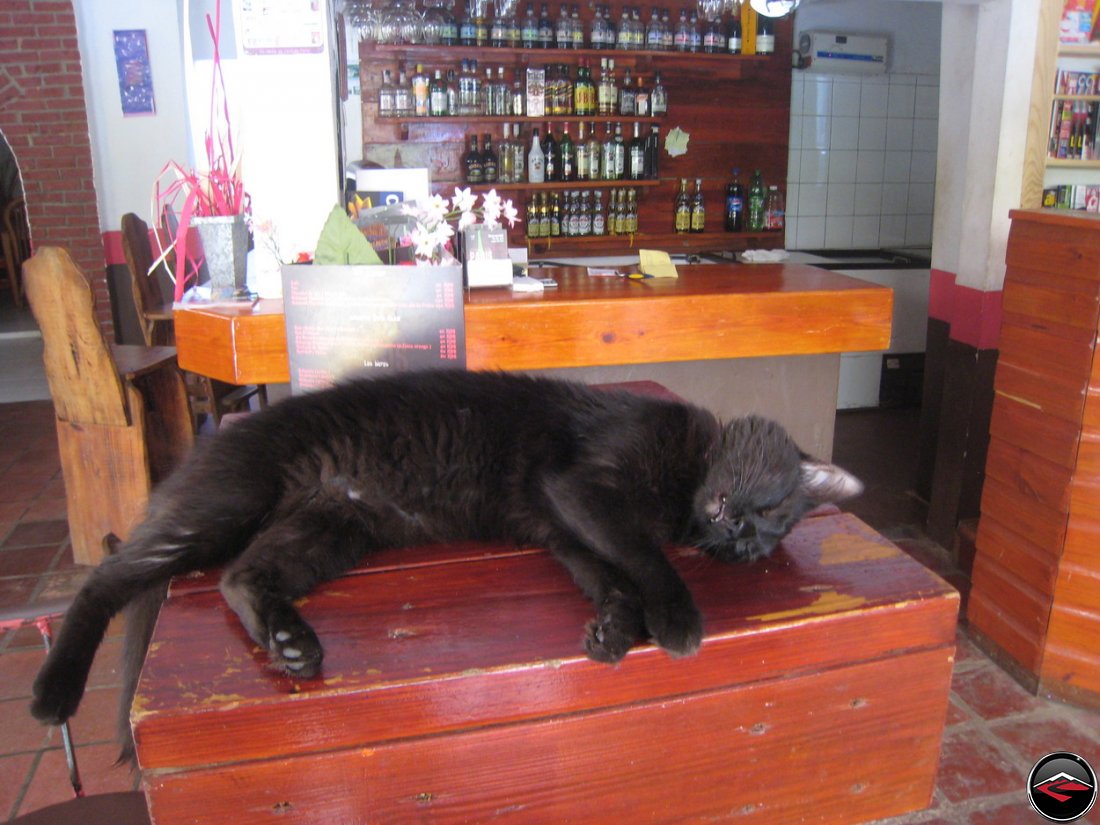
[[212, 202]]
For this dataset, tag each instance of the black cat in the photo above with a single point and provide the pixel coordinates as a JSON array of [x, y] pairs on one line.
[[297, 494]]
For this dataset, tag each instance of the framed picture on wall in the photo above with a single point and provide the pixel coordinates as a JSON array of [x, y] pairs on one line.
[[135, 78]]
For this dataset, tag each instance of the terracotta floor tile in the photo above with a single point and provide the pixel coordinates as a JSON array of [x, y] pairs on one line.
[[95, 719], [33, 533], [14, 773], [956, 714], [971, 768], [992, 693], [106, 670], [1011, 813], [16, 591], [12, 511], [62, 583], [50, 782], [47, 508], [26, 561], [1035, 735], [21, 731], [17, 671]]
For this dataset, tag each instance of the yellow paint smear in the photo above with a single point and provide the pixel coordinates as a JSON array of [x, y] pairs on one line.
[[828, 602], [845, 548]]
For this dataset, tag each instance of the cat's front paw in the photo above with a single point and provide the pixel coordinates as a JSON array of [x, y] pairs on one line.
[[617, 626], [678, 628]]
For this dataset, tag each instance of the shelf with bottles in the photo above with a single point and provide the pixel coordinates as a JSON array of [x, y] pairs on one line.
[[532, 119], [558, 186]]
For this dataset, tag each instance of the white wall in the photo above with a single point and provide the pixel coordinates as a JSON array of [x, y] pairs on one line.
[[129, 152], [912, 27]]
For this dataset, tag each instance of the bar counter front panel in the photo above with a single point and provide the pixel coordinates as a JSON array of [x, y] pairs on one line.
[[720, 334]]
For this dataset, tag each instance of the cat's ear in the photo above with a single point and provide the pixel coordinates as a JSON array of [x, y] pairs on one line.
[[823, 482]]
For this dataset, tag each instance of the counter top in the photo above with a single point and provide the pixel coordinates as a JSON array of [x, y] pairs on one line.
[[711, 311]]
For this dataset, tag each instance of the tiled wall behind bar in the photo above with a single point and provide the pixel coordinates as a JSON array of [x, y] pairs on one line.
[[862, 168]]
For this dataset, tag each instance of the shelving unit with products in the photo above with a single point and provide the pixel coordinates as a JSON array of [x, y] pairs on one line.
[[1062, 156], [735, 109]]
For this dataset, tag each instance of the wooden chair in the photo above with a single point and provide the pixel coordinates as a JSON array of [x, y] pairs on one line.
[[207, 396], [15, 238], [122, 415]]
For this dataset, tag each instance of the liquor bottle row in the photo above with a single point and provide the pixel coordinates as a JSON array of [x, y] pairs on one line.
[[763, 211], [568, 31], [533, 92], [547, 158], [580, 213]]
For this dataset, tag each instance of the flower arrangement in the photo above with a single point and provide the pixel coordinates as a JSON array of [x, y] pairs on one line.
[[217, 192], [431, 238]]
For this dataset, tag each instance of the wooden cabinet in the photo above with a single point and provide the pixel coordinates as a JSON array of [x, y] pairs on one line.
[[735, 108], [1036, 579]]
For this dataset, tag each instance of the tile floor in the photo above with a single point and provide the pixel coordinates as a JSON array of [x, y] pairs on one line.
[[995, 730]]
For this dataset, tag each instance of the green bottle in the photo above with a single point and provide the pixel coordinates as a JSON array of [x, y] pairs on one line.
[[757, 196]]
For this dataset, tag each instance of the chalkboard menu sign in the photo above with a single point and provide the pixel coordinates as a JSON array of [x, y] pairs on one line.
[[352, 320]]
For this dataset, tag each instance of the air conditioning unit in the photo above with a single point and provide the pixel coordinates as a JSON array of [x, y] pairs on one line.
[[831, 52]]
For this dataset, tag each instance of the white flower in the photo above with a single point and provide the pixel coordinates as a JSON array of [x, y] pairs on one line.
[[463, 200], [433, 228]]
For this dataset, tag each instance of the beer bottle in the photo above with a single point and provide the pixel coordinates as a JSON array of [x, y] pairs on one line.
[[682, 208], [698, 208]]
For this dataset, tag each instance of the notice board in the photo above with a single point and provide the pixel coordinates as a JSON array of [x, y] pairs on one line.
[[344, 321]]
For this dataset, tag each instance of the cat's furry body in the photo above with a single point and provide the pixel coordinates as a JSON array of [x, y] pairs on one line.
[[298, 493]]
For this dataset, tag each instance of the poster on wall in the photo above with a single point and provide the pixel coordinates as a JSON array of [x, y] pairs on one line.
[[344, 321], [282, 26], [135, 78]]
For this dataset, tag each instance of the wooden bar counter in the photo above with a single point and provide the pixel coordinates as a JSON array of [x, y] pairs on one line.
[[720, 335]]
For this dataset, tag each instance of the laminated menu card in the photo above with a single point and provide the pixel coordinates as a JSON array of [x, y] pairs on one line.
[[352, 320]]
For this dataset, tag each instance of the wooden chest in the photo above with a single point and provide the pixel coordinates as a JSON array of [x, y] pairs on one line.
[[455, 690]]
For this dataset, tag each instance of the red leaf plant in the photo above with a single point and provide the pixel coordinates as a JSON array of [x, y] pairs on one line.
[[187, 193]]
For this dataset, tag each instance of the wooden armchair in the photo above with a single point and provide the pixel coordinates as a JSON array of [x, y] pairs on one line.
[[207, 397], [16, 241], [122, 415]]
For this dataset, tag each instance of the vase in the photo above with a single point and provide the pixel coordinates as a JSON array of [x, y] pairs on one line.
[[225, 252]]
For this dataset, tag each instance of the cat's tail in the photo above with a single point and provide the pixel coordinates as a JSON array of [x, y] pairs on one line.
[[141, 619]]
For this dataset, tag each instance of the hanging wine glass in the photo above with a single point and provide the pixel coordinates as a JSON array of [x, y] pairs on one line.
[[362, 18], [398, 24], [774, 8], [433, 22], [710, 10], [731, 7]]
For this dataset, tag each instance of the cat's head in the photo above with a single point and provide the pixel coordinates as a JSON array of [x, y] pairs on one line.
[[758, 485]]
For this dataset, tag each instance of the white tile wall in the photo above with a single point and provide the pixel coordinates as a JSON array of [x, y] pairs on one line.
[[862, 164]]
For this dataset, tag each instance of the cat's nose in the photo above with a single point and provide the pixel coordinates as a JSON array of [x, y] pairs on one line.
[[736, 527]]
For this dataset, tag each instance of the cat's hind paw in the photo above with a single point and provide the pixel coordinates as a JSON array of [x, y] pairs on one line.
[[55, 700], [296, 649], [617, 626]]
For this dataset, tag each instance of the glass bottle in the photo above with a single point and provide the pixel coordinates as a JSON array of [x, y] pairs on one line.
[[765, 35], [563, 31], [519, 98], [612, 212], [695, 38], [658, 97], [641, 98], [756, 203], [551, 155], [619, 147], [631, 212], [698, 208], [607, 95], [682, 38], [498, 32], [682, 209], [467, 32], [448, 33], [513, 35], [475, 172], [544, 216], [481, 31], [385, 95], [599, 222], [596, 30], [652, 153], [529, 32], [490, 161], [555, 215], [536, 160], [637, 30], [567, 152], [733, 37], [485, 99], [667, 33], [610, 33], [506, 168], [636, 155], [420, 82], [402, 97], [774, 210], [653, 36], [622, 39], [607, 157], [502, 95], [576, 28], [582, 152], [735, 204], [626, 95], [594, 148], [437, 95], [519, 154], [452, 93], [714, 39], [584, 213], [546, 28], [584, 93]]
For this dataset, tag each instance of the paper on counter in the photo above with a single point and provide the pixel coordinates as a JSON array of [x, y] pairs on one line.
[[676, 142], [657, 264]]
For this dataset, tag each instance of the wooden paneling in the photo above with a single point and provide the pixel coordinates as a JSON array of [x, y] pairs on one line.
[[471, 656]]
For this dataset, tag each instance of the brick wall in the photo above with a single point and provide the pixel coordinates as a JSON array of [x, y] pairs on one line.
[[44, 119]]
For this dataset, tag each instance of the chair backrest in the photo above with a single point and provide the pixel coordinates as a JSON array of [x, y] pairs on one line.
[[139, 260], [19, 231], [84, 382]]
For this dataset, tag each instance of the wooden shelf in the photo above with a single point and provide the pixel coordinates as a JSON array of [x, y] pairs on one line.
[[479, 188], [715, 241], [407, 119], [1085, 98], [1072, 163], [1079, 49]]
